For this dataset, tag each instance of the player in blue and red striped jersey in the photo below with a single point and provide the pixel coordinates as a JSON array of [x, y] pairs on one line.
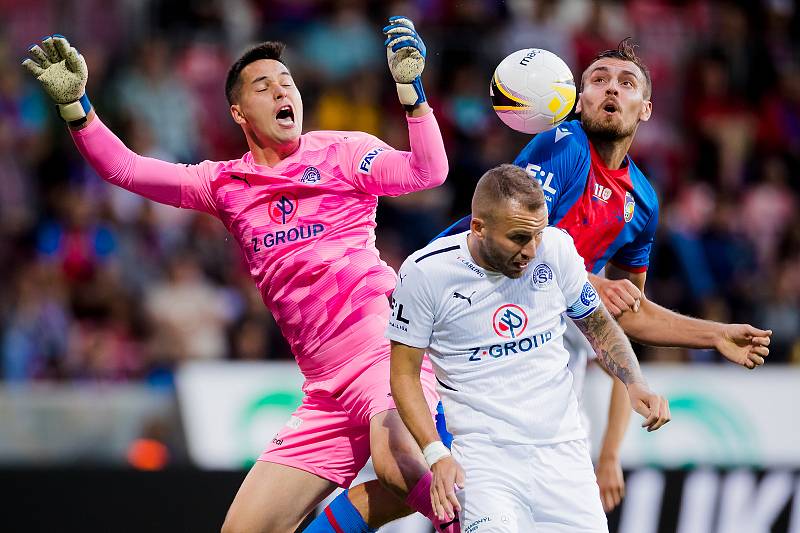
[[596, 193]]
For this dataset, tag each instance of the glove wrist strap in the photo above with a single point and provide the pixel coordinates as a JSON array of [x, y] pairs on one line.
[[411, 94], [75, 112]]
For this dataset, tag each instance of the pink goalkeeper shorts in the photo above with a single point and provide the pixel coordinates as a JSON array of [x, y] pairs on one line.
[[328, 435]]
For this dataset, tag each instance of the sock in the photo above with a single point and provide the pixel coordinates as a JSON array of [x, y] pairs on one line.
[[419, 499], [339, 517]]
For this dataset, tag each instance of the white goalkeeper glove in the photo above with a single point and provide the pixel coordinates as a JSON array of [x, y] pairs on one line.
[[63, 73], [405, 52]]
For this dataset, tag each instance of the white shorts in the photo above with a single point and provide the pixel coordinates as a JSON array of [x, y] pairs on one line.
[[528, 488]]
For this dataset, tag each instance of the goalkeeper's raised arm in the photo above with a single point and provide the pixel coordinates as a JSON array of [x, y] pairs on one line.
[[63, 73]]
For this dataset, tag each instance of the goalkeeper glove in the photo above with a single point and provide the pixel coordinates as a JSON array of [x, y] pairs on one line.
[[63, 73], [405, 52]]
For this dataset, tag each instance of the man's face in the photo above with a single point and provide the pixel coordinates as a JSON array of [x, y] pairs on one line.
[[269, 103], [612, 100], [507, 241]]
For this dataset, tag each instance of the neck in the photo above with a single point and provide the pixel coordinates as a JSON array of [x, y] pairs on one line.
[[270, 154], [475, 251], [612, 152]]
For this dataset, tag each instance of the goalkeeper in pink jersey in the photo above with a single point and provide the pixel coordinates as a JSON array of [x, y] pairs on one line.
[[302, 208]]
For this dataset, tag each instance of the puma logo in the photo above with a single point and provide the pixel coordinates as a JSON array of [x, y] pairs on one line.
[[459, 296], [241, 179]]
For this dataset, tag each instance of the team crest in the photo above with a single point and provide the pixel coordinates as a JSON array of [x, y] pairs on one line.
[[542, 276], [311, 175], [630, 204], [509, 321]]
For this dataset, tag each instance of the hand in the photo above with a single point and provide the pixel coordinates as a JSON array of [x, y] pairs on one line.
[[610, 481], [743, 344], [447, 473], [654, 408], [618, 295], [59, 68], [405, 53]]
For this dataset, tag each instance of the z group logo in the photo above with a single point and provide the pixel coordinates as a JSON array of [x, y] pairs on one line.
[[509, 321], [282, 207]]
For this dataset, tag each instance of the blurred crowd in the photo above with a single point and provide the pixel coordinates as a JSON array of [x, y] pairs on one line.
[[98, 284]]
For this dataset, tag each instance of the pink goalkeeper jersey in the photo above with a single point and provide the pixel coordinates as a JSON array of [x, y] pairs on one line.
[[306, 227]]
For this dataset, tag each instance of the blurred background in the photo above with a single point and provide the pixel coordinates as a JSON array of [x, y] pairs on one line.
[[140, 371]]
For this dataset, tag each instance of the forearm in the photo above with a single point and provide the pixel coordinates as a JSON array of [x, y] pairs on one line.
[[117, 164], [424, 167], [658, 326], [619, 414], [612, 347], [413, 409]]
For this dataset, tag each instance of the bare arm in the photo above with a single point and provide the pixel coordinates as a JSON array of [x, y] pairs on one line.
[[615, 353], [406, 362], [407, 393], [608, 469], [658, 326]]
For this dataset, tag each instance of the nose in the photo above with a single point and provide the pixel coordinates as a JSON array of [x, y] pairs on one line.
[[528, 251], [611, 89], [280, 91]]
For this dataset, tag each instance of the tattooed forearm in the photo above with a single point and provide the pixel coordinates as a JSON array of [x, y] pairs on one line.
[[611, 345]]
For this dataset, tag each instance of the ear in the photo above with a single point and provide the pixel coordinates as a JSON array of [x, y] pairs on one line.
[[477, 226], [238, 116], [647, 110], [578, 104]]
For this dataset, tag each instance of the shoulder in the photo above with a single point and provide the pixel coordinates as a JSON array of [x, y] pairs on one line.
[[567, 139], [642, 185], [322, 137], [436, 257]]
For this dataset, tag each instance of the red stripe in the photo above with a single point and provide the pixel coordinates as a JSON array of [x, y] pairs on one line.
[[332, 519], [628, 268]]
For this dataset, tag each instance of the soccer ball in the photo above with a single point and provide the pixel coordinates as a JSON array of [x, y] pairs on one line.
[[532, 90]]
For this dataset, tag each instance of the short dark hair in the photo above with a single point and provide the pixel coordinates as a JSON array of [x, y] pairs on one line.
[[626, 51], [265, 50], [503, 183]]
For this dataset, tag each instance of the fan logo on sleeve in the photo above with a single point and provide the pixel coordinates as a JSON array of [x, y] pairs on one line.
[[542, 276], [509, 321], [365, 165]]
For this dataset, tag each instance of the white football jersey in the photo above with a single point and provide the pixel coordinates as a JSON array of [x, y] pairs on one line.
[[496, 342]]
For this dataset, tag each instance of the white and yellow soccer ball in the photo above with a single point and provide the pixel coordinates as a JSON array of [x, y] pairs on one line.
[[532, 90]]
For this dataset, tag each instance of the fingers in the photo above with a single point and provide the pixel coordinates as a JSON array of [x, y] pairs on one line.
[[659, 413], [33, 68], [65, 51], [49, 48], [400, 20], [39, 56], [611, 497], [755, 332], [443, 494], [616, 303], [753, 361], [760, 341]]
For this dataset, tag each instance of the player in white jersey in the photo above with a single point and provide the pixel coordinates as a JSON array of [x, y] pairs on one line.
[[487, 305]]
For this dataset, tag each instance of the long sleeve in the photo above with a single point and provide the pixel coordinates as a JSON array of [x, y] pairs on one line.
[[386, 172], [187, 186]]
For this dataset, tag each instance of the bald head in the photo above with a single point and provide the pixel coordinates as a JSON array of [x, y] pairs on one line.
[[502, 184]]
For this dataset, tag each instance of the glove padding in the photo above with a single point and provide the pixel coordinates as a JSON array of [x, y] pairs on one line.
[[405, 53], [63, 74]]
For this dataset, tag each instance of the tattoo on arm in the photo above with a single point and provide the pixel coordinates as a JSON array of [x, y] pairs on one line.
[[611, 345]]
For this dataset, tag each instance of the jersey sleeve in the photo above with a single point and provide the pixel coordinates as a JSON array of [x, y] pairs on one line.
[[554, 157], [635, 255], [377, 168], [187, 186], [580, 296], [413, 308]]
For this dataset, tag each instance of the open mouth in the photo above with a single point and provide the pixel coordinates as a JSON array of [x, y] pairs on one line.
[[610, 107], [285, 116]]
